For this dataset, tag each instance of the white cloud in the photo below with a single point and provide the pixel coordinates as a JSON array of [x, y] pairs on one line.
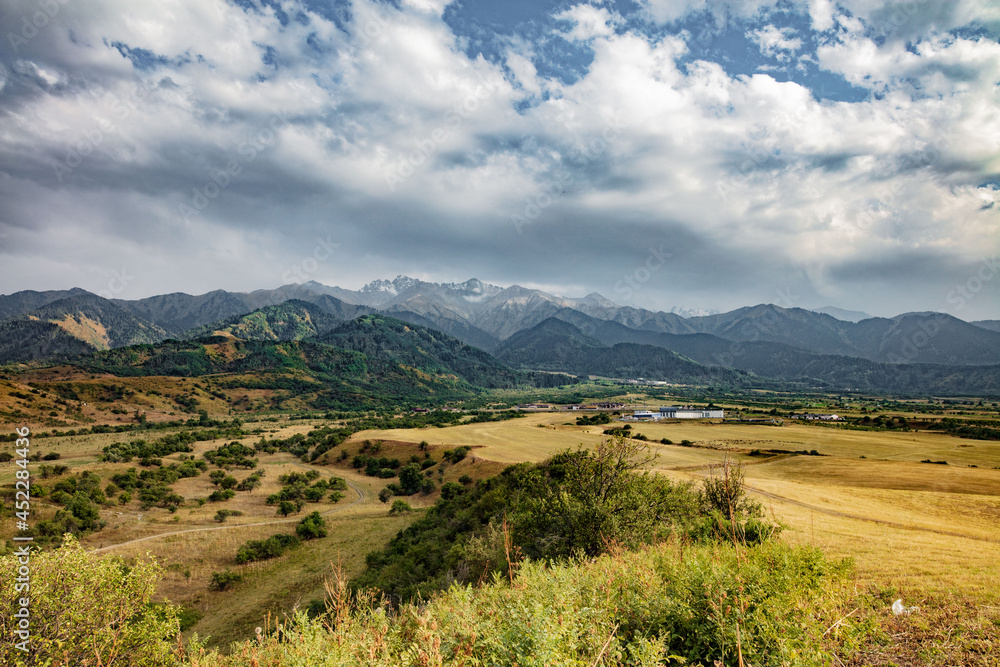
[[821, 14], [775, 43], [588, 22], [668, 11]]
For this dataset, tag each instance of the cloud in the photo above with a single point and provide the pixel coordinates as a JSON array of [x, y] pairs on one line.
[[208, 144], [821, 14], [588, 22], [775, 43]]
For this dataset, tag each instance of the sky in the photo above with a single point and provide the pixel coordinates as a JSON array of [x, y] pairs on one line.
[[663, 153]]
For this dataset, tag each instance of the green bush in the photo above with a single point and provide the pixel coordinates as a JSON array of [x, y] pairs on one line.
[[223, 580], [222, 515], [272, 547], [400, 507], [87, 610], [311, 527], [574, 503], [218, 496]]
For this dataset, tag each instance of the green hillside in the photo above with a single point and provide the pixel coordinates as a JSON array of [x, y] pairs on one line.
[[23, 339], [390, 340], [291, 320], [374, 361]]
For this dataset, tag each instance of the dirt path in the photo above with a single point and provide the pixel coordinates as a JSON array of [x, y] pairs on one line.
[[361, 498]]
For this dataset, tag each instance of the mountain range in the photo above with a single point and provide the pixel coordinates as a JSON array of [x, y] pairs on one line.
[[523, 328]]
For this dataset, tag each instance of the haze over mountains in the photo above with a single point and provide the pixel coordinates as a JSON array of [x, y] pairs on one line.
[[531, 329]]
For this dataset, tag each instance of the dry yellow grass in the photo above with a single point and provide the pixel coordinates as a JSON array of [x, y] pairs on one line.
[[940, 525]]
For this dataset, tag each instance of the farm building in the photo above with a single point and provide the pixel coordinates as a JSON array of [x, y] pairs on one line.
[[688, 412], [671, 412]]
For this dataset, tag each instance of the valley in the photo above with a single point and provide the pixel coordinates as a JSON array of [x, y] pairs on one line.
[[260, 456]]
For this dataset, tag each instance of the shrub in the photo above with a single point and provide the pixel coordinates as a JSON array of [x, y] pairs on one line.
[[400, 507], [455, 455], [272, 547], [79, 601], [222, 515], [314, 494], [724, 491], [311, 527], [223, 580]]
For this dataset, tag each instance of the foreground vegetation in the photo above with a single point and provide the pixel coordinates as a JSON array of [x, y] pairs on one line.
[[676, 603], [569, 580]]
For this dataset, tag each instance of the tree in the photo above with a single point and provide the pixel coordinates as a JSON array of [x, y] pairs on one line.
[[410, 479], [287, 507]]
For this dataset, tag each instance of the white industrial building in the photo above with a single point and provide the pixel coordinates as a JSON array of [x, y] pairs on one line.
[[688, 412], [684, 412]]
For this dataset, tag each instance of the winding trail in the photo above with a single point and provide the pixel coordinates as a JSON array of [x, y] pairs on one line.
[[361, 498]]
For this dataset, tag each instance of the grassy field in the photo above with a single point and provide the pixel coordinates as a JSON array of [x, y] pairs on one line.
[[924, 531], [910, 525], [191, 545]]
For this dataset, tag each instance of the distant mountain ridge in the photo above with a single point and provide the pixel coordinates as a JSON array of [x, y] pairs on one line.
[[596, 348], [841, 314], [556, 345], [990, 325], [72, 325], [765, 340]]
